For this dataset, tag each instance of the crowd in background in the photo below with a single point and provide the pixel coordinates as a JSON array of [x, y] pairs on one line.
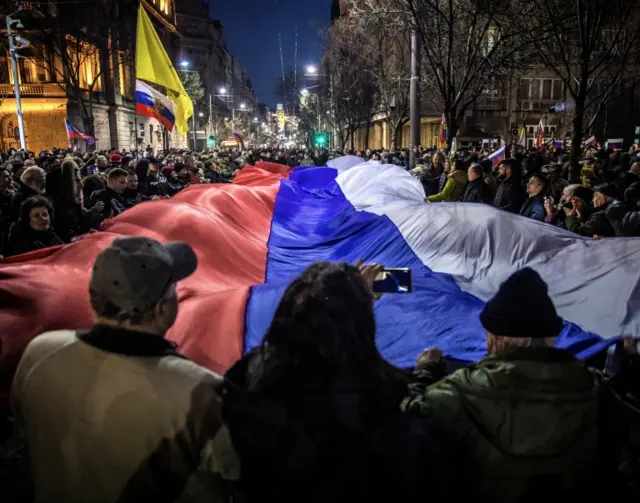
[[56, 196]]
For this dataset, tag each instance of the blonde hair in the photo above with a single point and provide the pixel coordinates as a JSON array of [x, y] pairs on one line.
[[528, 342]]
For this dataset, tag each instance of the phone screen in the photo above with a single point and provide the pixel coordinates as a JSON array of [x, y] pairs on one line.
[[393, 281]]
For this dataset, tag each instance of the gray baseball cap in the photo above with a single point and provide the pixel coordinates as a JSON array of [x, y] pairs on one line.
[[134, 272]]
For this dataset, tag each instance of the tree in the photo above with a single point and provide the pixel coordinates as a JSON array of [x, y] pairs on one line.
[[79, 44], [192, 85], [383, 52], [592, 46], [352, 89], [466, 46]]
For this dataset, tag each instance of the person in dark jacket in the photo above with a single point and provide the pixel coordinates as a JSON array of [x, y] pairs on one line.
[[5, 206], [132, 194], [33, 229], [114, 202], [534, 206], [596, 223], [33, 183], [71, 218], [510, 194], [433, 178], [524, 417], [313, 413], [477, 190], [625, 218]]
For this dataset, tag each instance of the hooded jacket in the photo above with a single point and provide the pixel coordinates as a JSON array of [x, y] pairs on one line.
[[526, 420], [453, 188]]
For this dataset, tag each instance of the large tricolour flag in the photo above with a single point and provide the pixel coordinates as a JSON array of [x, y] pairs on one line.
[[254, 236]]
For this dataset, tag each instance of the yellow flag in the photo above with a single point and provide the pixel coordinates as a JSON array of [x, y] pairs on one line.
[[153, 65]]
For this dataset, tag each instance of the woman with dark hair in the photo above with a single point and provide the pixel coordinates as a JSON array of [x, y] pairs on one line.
[[313, 412], [33, 229], [71, 218], [91, 184]]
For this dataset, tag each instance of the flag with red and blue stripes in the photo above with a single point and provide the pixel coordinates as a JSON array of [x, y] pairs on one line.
[[255, 235]]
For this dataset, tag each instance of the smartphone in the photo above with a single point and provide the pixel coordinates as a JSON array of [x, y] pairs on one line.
[[393, 281]]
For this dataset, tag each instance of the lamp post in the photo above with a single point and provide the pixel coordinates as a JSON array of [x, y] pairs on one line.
[[14, 68]]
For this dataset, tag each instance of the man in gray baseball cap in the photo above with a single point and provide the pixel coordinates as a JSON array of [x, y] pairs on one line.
[[133, 275], [127, 417]]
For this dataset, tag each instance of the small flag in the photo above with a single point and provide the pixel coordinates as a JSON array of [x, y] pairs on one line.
[[499, 155], [152, 103], [522, 137], [73, 133], [590, 142], [615, 143], [485, 143], [443, 131], [540, 134], [559, 144]]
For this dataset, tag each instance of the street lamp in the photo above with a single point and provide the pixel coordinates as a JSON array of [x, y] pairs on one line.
[[255, 119], [304, 92], [312, 69], [200, 114], [184, 64], [223, 90], [242, 106]]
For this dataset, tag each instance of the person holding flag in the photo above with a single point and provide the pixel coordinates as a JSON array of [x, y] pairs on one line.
[[153, 65]]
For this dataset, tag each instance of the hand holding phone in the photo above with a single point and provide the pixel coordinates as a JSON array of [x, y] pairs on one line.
[[393, 280]]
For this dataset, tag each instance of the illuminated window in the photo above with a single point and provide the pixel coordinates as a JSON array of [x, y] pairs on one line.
[[164, 6], [87, 65], [124, 75]]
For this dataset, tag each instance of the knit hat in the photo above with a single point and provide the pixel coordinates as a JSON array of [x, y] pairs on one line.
[[607, 189], [522, 308], [115, 159], [583, 193]]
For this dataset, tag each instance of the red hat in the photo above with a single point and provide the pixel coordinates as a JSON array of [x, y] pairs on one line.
[[115, 159]]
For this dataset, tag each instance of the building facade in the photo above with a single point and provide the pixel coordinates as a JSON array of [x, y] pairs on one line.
[[47, 99], [508, 104]]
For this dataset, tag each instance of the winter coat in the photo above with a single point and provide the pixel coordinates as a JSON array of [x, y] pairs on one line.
[[309, 440], [23, 239], [596, 224], [72, 220], [477, 191], [453, 188], [114, 203], [534, 208], [525, 420], [510, 195]]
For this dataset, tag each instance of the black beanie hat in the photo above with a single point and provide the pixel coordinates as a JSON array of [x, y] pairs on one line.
[[584, 193], [522, 308]]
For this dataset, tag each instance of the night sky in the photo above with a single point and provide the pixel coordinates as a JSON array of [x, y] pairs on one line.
[[251, 30]]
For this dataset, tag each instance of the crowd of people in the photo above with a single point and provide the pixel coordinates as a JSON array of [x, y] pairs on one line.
[[599, 200], [315, 413]]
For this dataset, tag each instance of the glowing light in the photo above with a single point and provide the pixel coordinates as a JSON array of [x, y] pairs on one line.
[[223, 90], [200, 114], [184, 64], [243, 106], [312, 69], [304, 92]]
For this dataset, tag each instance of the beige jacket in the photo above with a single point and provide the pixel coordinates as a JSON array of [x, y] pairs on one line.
[[115, 416]]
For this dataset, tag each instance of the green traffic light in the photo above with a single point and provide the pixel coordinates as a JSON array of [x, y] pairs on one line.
[[321, 139]]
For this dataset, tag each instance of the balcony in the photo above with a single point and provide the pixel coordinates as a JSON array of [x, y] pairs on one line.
[[34, 90], [536, 105], [491, 104]]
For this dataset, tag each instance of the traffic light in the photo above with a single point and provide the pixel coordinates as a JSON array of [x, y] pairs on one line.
[[321, 139], [211, 142]]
